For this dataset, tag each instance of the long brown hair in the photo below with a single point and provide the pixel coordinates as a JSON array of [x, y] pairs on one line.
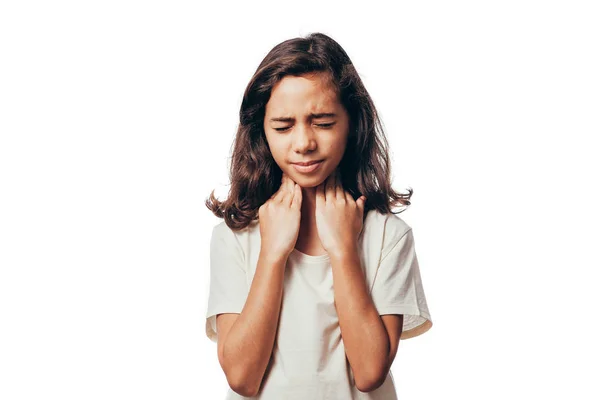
[[255, 175]]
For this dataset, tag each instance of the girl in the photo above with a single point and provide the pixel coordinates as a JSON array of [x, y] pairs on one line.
[[314, 280]]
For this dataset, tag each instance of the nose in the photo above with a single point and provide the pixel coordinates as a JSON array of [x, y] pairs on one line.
[[303, 140]]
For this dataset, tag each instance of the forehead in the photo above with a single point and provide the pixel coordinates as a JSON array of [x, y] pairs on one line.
[[302, 94]]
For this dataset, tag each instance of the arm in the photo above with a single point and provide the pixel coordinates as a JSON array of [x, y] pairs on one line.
[[393, 326], [369, 348], [245, 349]]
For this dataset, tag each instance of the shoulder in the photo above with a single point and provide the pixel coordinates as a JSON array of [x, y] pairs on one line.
[[391, 226], [242, 240], [395, 226], [223, 230]]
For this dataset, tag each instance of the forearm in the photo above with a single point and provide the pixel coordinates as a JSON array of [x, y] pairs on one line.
[[249, 343], [366, 341]]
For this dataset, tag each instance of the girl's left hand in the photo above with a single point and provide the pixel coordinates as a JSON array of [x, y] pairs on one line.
[[339, 218]]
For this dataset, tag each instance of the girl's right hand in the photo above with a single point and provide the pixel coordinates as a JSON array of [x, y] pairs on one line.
[[279, 219]]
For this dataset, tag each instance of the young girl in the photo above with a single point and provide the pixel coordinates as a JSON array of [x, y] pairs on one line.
[[314, 280]]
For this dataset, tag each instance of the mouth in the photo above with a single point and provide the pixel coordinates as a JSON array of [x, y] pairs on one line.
[[304, 164], [306, 167]]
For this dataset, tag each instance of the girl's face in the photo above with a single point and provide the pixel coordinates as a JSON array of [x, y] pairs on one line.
[[304, 121]]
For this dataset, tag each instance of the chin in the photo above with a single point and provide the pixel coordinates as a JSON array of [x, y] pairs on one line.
[[309, 184], [306, 181]]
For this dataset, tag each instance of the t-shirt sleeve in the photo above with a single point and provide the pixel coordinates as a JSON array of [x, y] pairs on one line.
[[397, 287], [228, 285]]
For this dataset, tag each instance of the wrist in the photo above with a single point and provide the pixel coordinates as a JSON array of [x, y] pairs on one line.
[[273, 257], [343, 253]]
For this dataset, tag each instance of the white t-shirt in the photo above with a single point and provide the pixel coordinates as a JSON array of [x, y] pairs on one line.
[[308, 359]]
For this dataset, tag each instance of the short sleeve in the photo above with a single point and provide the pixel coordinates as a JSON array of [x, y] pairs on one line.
[[397, 287], [228, 285]]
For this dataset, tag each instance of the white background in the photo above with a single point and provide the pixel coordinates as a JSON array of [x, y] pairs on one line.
[[116, 121]]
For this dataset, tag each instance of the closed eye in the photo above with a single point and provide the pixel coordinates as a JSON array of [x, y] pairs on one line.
[[324, 126]]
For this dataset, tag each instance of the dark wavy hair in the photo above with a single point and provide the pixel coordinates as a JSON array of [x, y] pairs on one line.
[[365, 165]]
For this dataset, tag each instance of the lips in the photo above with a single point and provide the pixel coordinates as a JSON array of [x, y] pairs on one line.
[[307, 162], [306, 169]]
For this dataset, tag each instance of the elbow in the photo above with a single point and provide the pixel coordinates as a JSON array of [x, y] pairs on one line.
[[244, 390], [239, 378], [372, 382], [241, 383]]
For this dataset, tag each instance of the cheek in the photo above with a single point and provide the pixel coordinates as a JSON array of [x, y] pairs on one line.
[[272, 144], [337, 145], [277, 153]]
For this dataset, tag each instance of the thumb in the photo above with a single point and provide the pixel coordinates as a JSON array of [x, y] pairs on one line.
[[361, 201]]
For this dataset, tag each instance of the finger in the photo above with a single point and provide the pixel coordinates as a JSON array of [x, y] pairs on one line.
[[349, 198], [290, 184], [287, 197], [339, 189], [361, 202], [282, 189], [283, 185], [320, 194], [297, 199], [330, 188], [274, 194]]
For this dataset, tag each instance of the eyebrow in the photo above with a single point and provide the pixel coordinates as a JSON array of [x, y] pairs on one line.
[[311, 116]]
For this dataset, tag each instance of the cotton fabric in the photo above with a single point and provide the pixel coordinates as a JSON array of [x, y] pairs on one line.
[[309, 361]]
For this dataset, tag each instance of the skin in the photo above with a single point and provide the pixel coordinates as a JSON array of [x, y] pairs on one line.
[[314, 214]]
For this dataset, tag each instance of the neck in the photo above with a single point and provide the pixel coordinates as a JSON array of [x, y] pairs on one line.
[[309, 201]]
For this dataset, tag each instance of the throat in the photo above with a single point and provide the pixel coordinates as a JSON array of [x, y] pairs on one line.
[[308, 241]]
